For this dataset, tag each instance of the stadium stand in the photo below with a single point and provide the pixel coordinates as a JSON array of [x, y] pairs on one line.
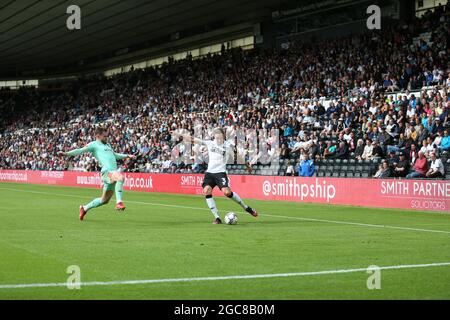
[[351, 105]]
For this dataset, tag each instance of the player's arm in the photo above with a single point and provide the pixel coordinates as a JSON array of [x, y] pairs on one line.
[[75, 152], [188, 137], [199, 141], [120, 156]]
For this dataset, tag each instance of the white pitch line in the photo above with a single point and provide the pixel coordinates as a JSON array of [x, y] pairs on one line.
[[350, 223], [360, 224], [238, 277]]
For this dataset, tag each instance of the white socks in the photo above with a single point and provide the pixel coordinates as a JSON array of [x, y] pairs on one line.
[[212, 206], [235, 197]]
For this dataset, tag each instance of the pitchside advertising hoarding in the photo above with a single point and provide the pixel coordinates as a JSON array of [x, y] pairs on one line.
[[386, 193]]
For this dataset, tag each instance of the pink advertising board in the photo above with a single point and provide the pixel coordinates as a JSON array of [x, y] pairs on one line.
[[386, 193]]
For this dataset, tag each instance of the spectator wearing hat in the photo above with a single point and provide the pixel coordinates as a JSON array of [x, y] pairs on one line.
[[401, 168], [392, 158], [438, 126]]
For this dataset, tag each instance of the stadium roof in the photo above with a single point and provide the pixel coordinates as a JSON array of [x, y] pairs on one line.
[[33, 33], [34, 39]]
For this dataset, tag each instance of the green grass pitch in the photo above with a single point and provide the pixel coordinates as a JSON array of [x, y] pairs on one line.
[[166, 236]]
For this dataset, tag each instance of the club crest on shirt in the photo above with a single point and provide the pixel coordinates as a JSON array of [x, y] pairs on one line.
[[218, 150]]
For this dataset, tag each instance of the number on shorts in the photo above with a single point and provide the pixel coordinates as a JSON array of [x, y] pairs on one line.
[[225, 182]]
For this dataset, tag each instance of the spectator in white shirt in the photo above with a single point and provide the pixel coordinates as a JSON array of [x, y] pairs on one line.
[[410, 112], [426, 148], [368, 150], [436, 167], [290, 170]]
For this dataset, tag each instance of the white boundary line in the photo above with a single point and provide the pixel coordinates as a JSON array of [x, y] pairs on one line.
[[238, 277], [262, 214]]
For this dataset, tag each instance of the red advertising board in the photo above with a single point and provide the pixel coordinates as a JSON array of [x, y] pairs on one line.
[[387, 193]]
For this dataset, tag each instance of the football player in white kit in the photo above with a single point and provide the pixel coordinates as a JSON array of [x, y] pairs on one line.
[[216, 173]]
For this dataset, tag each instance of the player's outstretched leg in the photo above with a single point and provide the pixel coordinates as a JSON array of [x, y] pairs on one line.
[[207, 191], [235, 197], [119, 193], [119, 180], [97, 202]]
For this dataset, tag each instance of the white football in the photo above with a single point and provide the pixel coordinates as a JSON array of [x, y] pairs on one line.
[[231, 218]]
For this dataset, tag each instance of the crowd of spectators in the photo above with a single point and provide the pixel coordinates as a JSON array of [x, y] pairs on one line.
[[283, 89]]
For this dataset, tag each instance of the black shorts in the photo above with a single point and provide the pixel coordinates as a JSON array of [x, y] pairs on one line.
[[216, 179]]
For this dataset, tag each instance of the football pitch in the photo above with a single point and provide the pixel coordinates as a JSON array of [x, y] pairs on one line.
[[165, 247]]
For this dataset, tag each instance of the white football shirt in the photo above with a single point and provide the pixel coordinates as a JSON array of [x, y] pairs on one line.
[[217, 155]]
